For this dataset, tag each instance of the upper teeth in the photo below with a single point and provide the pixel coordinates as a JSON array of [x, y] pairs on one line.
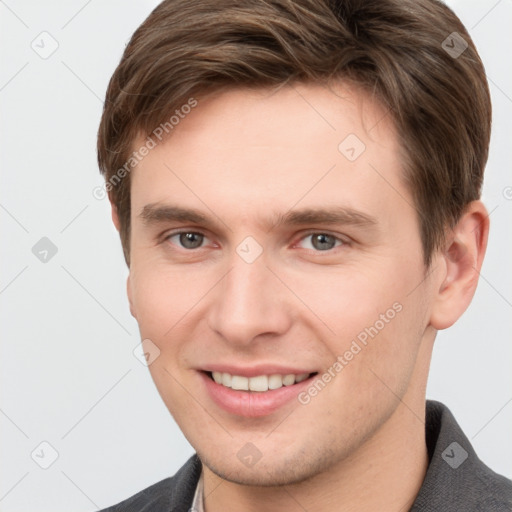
[[259, 383]]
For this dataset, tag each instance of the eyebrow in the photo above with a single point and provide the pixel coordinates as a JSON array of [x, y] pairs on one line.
[[159, 213], [155, 213], [331, 215]]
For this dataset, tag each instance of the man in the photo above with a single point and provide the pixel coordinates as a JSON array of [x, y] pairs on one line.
[[296, 185]]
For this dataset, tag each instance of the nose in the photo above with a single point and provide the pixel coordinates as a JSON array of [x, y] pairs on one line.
[[250, 303]]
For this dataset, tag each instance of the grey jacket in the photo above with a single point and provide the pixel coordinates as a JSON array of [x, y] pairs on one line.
[[456, 480]]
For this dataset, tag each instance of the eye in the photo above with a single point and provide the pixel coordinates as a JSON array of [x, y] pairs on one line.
[[320, 242], [187, 239]]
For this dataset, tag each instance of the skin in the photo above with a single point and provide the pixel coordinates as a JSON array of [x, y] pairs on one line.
[[242, 158]]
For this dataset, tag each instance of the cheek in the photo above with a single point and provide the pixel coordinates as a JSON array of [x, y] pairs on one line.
[[167, 301], [369, 320], [163, 296], [347, 300]]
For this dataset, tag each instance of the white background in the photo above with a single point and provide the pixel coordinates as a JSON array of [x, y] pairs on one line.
[[68, 374]]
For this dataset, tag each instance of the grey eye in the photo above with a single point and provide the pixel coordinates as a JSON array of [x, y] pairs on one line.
[[190, 240], [323, 242], [320, 242]]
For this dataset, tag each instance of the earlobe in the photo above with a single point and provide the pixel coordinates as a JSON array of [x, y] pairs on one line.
[[462, 260]]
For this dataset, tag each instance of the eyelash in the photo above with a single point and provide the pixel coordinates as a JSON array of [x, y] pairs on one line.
[[343, 242]]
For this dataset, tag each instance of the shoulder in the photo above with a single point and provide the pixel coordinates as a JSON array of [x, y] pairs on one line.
[[456, 478], [173, 494]]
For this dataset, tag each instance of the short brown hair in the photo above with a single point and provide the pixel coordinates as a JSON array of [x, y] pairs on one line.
[[399, 50]]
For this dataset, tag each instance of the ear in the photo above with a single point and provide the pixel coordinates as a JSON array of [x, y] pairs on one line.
[[461, 260], [115, 215], [117, 224], [130, 299]]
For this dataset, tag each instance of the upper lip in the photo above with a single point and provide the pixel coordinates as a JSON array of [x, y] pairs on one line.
[[255, 371]]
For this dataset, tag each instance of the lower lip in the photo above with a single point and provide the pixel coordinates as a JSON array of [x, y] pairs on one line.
[[252, 404]]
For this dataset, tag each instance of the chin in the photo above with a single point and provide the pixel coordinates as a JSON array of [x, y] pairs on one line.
[[275, 472]]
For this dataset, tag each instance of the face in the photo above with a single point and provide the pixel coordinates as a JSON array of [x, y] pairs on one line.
[[277, 270]]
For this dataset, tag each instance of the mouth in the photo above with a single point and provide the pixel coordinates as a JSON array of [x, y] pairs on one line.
[[258, 395], [258, 383]]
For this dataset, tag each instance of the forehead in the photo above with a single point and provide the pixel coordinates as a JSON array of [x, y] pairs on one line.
[[299, 114], [271, 149]]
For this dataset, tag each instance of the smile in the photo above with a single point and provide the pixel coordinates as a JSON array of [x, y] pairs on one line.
[[256, 395], [259, 383]]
